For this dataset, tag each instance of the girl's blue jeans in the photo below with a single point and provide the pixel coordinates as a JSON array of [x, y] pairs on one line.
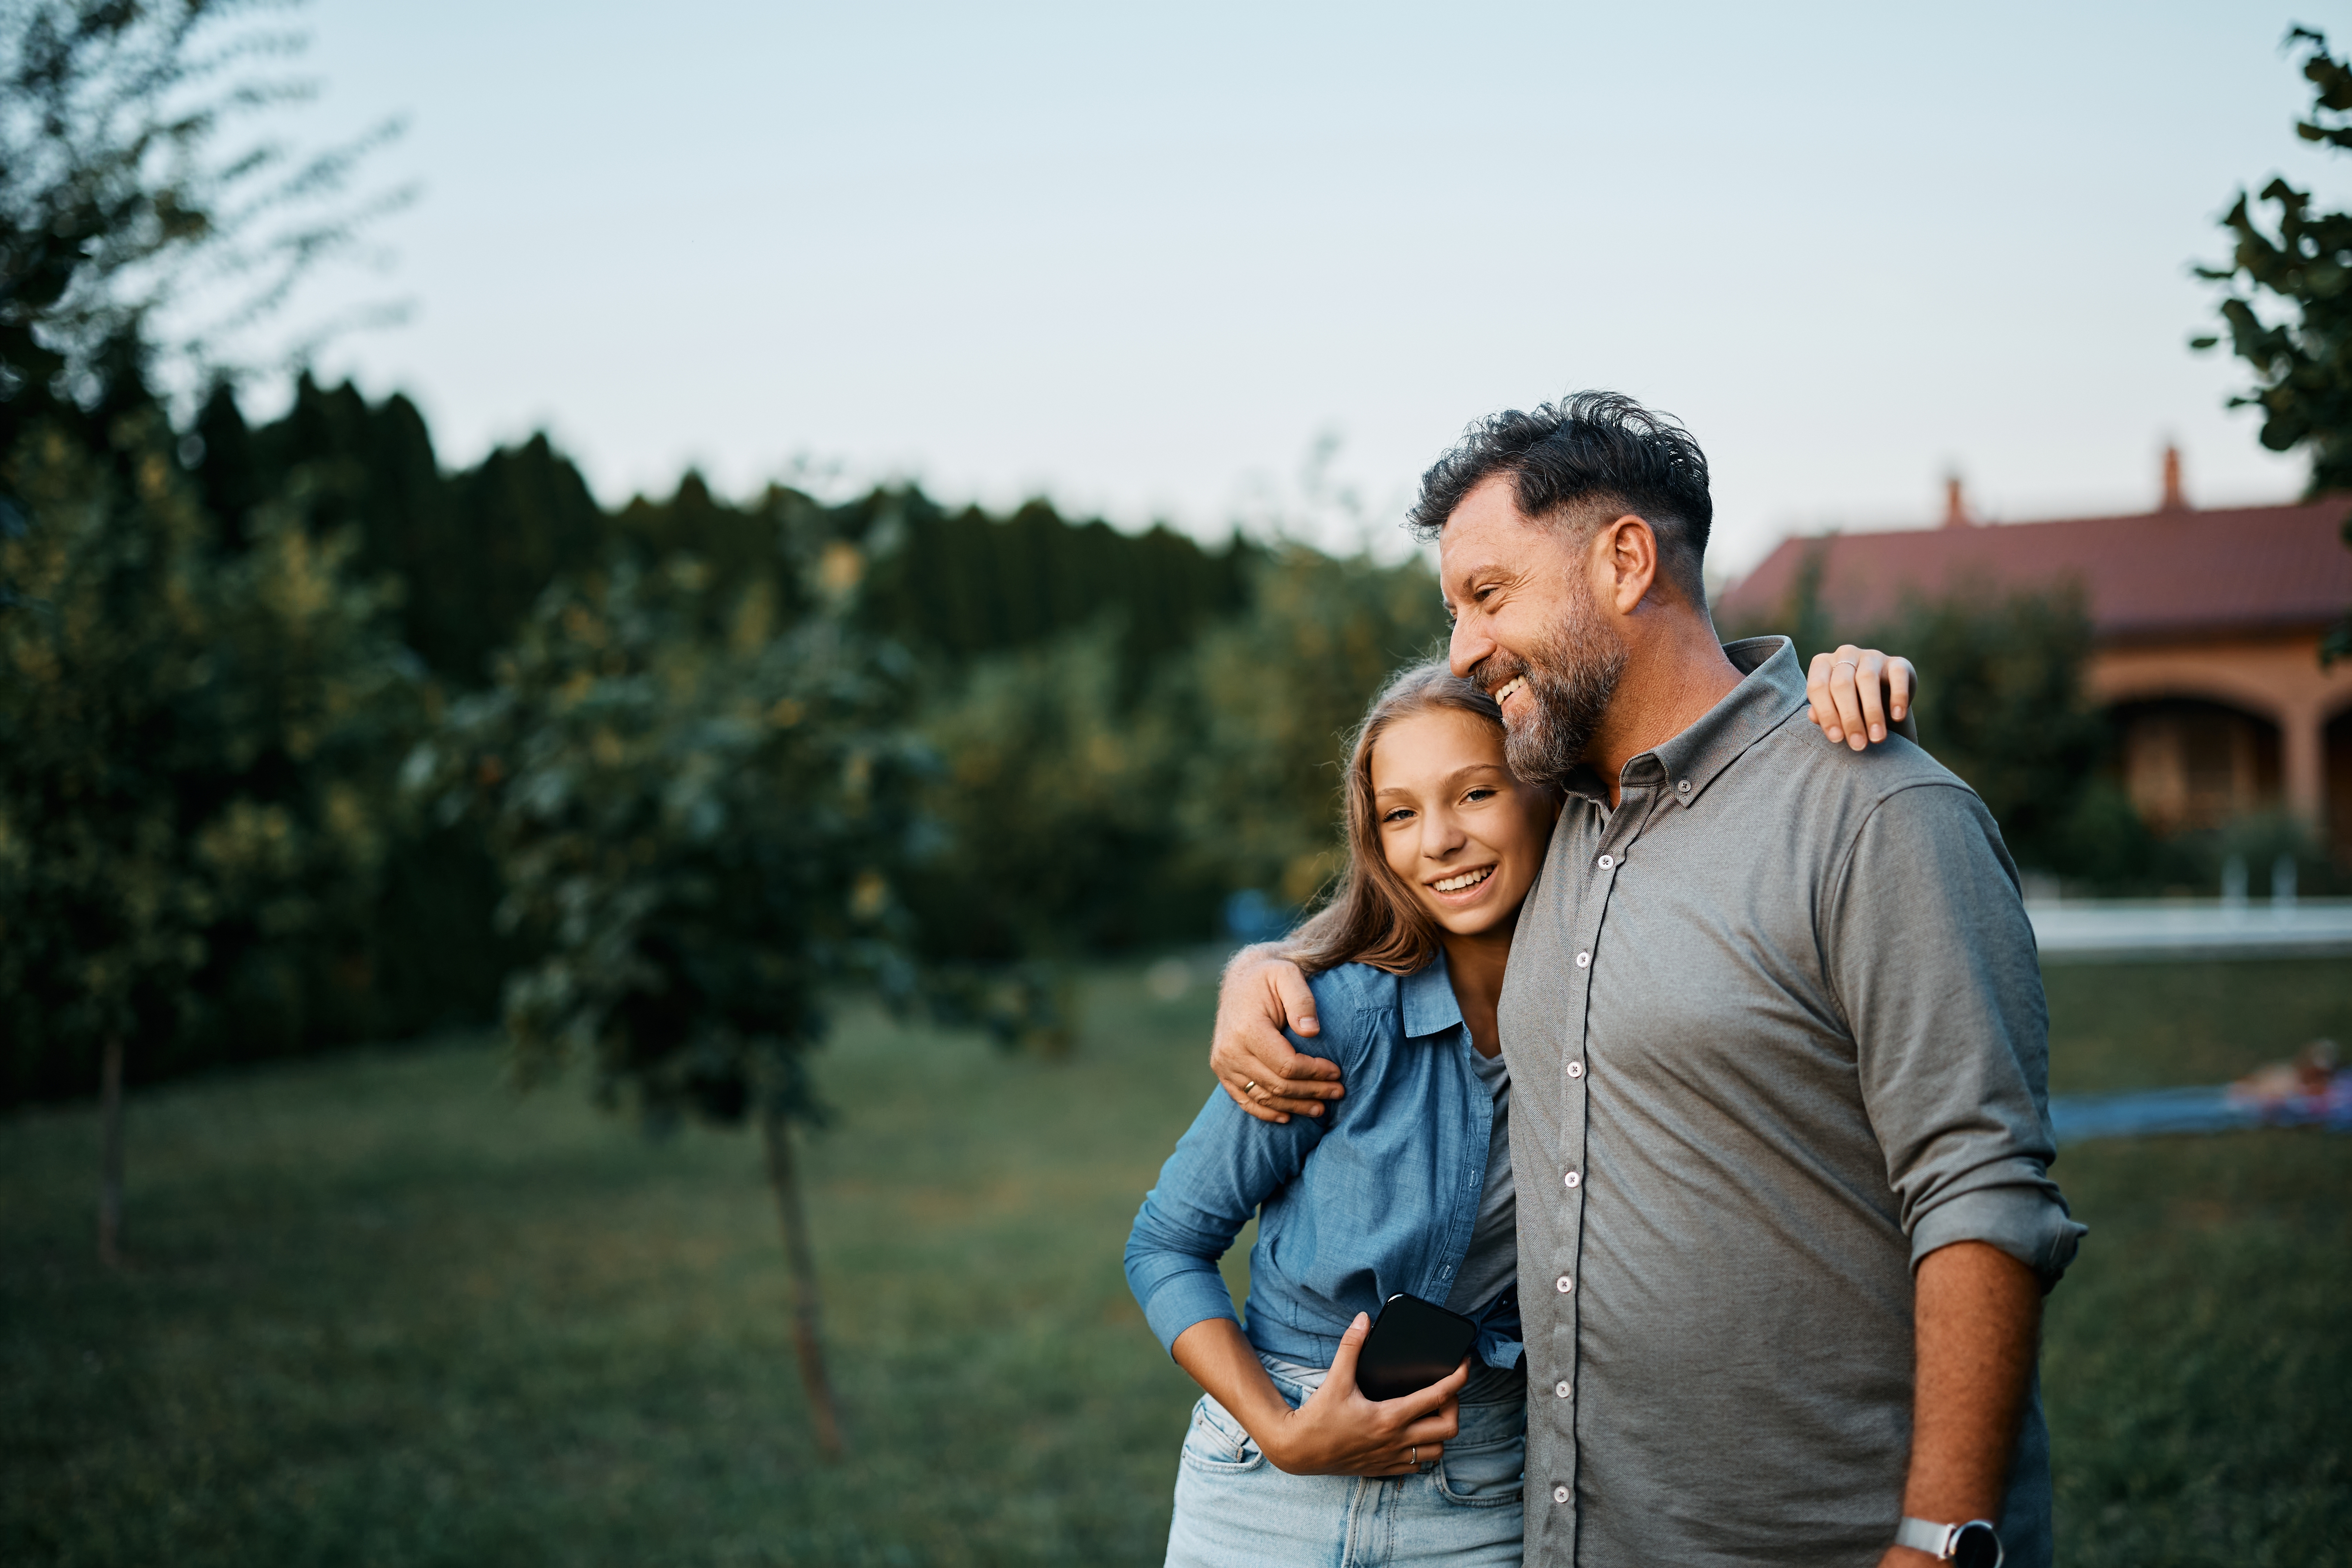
[[1234, 1509]]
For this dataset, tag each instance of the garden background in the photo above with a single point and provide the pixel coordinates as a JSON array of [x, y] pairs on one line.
[[371, 829]]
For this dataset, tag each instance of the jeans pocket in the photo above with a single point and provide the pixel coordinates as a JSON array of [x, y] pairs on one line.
[[1482, 1475], [1217, 1443]]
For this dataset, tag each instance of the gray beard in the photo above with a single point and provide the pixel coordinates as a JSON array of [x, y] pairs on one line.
[[1571, 679]]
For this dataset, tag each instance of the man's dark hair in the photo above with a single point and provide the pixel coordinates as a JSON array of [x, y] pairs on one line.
[[1590, 450]]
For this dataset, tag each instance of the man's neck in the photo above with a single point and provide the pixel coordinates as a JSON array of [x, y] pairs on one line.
[[1673, 675]]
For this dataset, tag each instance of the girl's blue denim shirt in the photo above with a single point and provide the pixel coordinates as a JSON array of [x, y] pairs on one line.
[[1385, 1206]]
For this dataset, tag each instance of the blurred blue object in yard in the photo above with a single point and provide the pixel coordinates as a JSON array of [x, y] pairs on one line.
[[2204, 1109], [2217, 1108], [1251, 916], [2107, 930]]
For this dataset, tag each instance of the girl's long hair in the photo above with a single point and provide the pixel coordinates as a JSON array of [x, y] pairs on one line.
[[1374, 917]]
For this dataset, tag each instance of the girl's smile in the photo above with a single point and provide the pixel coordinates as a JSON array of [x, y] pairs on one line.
[[1456, 826]]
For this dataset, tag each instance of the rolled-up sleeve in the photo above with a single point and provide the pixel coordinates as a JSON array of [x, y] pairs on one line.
[[1224, 1168], [1934, 962]]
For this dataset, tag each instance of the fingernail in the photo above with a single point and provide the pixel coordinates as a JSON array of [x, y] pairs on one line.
[[1878, 732]]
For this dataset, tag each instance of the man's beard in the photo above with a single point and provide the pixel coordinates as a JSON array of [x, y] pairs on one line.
[[1572, 675]]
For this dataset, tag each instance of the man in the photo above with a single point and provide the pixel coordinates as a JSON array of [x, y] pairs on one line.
[[1777, 1040]]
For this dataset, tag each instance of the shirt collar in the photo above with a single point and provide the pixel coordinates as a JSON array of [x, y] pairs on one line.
[[1430, 1005], [1771, 689]]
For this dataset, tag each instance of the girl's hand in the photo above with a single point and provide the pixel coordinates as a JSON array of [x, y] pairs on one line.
[[1858, 694], [1338, 1432]]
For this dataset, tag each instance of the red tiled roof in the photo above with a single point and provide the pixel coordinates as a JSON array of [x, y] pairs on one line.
[[2267, 568]]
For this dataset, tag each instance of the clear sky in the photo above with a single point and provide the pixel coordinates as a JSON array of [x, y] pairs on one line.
[[1141, 259]]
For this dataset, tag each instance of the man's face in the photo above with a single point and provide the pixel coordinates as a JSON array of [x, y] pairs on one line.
[[1527, 629]]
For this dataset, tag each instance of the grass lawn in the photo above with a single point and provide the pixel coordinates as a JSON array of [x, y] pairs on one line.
[[384, 1312]]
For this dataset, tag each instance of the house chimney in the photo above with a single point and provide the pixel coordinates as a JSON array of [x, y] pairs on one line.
[[2175, 499], [1956, 506]]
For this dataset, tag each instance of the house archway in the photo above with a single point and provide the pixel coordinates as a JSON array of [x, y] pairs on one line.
[[2192, 763]]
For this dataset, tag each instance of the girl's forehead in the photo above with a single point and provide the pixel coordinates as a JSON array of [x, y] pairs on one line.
[[1434, 742]]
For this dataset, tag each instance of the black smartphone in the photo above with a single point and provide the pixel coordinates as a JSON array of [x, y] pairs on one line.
[[1412, 1343]]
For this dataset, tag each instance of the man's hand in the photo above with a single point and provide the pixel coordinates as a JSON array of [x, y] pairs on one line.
[[1262, 992], [1978, 1316], [1858, 694]]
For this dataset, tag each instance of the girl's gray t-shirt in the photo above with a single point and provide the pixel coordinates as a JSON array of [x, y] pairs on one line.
[[1492, 1264]]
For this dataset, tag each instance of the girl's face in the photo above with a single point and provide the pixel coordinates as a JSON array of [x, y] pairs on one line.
[[1463, 833]]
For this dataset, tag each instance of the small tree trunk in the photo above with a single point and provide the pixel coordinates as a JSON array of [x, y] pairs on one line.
[[801, 1262], [109, 1154]]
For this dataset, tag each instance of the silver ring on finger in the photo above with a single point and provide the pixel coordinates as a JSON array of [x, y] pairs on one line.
[[1845, 664], [1412, 1455]]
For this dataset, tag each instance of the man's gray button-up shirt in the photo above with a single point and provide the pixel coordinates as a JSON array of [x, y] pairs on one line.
[[1817, 1046]]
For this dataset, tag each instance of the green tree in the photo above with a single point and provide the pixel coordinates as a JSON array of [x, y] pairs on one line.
[[2288, 308], [1277, 691], [2001, 704], [1055, 800], [193, 751], [117, 205], [702, 833]]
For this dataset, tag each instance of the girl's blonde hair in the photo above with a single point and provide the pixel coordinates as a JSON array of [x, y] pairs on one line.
[[1374, 916]]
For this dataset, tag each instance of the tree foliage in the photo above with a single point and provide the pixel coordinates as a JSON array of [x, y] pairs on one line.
[[1276, 692], [118, 203], [194, 754], [703, 814], [2003, 706], [1053, 804], [2288, 308], [2001, 703], [700, 832]]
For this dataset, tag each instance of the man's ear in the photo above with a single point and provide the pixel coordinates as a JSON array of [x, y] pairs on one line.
[[1632, 560]]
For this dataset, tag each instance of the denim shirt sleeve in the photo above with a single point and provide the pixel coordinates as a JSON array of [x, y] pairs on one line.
[[1223, 1169]]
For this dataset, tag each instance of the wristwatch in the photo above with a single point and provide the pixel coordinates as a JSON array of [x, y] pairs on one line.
[[1975, 1544]]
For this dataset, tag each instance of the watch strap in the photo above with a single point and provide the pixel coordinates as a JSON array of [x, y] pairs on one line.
[[1935, 1539]]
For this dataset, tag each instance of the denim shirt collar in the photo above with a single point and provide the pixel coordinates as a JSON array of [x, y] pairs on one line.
[[1430, 1006]]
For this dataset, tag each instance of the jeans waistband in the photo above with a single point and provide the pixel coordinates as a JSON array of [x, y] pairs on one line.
[[1488, 1385]]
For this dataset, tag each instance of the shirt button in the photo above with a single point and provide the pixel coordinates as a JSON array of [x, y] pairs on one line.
[[1584, 960], [1682, 786], [1560, 1494], [1572, 1178], [1606, 862], [1576, 1070], [1563, 1388], [1563, 1284]]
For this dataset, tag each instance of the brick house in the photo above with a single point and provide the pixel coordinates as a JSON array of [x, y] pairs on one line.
[[2207, 628]]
